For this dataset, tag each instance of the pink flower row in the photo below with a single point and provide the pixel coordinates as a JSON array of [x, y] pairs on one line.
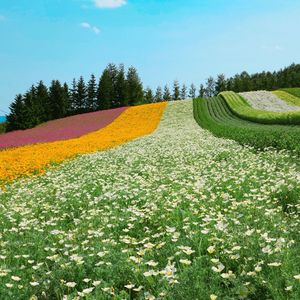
[[61, 129]]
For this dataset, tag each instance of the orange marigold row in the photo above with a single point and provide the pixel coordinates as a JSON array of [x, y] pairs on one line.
[[33, 159]]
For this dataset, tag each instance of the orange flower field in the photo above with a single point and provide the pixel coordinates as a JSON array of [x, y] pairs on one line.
[[33, 159]]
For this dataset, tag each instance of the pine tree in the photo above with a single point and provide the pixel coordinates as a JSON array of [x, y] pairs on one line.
[[192, 91], [66, 99], [105, 91], [176, 90], [58, 100], [210, 87], [73, 97], [167, 95], [81, 96], [31, 109], [158, 95], [183, 92], [148, 95], [201, 91], [113, 73], [135, 92], [220, 83], [121, 88], [91, 102], [42, 96], [15, 119]]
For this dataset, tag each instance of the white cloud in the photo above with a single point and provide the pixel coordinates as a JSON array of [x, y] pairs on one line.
[[96, 29], [86, 25], [109, 3]]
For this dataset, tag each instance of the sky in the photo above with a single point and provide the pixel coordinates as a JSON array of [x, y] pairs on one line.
[[166, 40]]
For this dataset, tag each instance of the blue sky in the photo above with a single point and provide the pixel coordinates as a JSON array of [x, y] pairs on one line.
[[187, 40]]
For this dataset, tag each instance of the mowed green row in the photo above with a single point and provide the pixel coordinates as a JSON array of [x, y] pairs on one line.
[[242, 109], [291, 96], [293, 91], [215, 115]]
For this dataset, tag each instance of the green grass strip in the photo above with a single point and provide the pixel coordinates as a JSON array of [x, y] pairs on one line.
[[215, 115], [242, 109], [288, 97]]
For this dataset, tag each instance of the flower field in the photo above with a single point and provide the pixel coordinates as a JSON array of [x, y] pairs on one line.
[[62, 129], [178, 214], [33, 159]]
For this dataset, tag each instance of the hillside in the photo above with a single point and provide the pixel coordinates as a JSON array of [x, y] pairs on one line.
[[175, 214]]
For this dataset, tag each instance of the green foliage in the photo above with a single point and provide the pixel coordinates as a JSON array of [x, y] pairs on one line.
[[158, 95], [192, 91], [176, 90], [148, 95], [91, 102], [215, 115], [167, 95], [135, 93], [2, 128], [242, 109]]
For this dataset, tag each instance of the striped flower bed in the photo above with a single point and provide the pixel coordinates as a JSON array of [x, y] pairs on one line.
[[62, 129], [33, 159]]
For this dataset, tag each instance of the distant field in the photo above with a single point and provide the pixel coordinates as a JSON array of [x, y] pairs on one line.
[[293, 91], [288, 97], [241, 108]]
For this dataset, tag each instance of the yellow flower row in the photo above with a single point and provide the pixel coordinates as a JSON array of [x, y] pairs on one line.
[[33, 159]]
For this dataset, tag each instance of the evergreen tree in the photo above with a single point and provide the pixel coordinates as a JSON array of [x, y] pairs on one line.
[[15, 119], [220, 83], [66, 99], [167, 95], [113, 73], [201, 91], [210, 87], [183, 92], [31, 115], [91, 102], [73, 97], [148, 95], [81, 96], [134, 87], [43, 100], [58, 100], [176, 90], [121, 88], [158, 95], [192, 91], [105, 91]]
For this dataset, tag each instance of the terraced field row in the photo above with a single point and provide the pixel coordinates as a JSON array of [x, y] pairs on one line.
[[243, 110], [268, 101], [216, 115]]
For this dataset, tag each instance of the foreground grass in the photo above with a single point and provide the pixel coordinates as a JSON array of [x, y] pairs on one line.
[[179, 214]]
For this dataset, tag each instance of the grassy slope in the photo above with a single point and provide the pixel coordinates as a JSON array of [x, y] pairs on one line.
[[293, 91], [146, 214], [243, 110], [214, 114], [288, 97]]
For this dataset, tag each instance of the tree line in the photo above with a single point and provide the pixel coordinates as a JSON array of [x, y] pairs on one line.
[[117, 88]]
